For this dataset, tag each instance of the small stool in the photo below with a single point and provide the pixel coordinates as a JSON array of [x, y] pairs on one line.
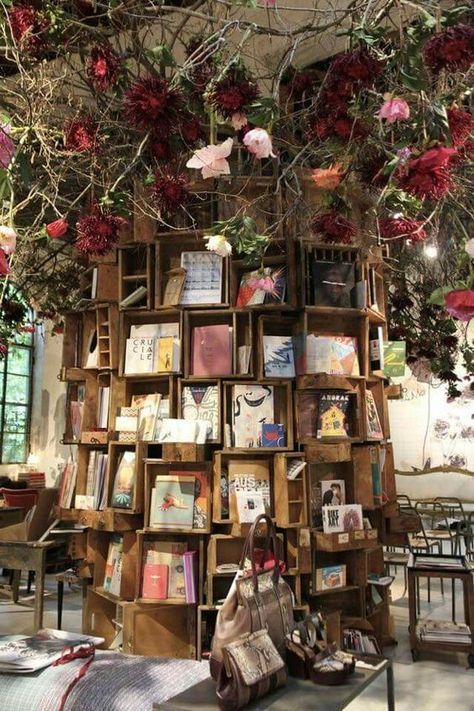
[[71, 578]]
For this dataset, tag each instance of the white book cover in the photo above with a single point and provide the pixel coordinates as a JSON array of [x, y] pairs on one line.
[[91, 472], [279, 357], [203, 281], [201, 402], [140, 355], [155, 330], [252, 405], [341, 519], [174, 430]]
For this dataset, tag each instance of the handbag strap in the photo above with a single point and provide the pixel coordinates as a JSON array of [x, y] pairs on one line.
[[249, 548]]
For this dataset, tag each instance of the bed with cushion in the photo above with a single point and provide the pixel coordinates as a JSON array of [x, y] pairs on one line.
[[113, 682]]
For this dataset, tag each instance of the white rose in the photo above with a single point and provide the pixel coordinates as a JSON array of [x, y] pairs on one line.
[[219, 245]]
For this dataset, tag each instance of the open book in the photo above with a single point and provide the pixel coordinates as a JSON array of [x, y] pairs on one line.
[[27, 655]]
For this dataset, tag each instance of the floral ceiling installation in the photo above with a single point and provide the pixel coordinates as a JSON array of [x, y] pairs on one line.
[[107, 104]]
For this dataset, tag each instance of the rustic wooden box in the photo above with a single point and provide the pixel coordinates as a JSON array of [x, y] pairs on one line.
[[98, 617], [255, 195], [89, 417], [108, 335], [133, 317], [290, 495], [298, 550], [137, 268], [72, 340], [116, 449], [220, 469], [157, 630], [377, 388], [129, 564], [350, 540], [272, 326], [310, 252], [307, 404], [182, 383]]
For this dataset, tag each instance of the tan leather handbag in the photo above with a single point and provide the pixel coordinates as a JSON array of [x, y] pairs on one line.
[[252, 668], [259, 600]]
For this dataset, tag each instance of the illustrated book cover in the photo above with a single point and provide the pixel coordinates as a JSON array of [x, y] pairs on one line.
[[252, 406], [172, 504], [124, 483], [339, 519], [333, 492], [279, 357], [273, 435], [332, 283], [140, 355], [211, 350], [334, 415], [201, 402], [374, 428], [330, 577], [334, 355], [248, 477]]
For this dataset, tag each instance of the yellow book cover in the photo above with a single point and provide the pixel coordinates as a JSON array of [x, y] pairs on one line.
[[165, 355]]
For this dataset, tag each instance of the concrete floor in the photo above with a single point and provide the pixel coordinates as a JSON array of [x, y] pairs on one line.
[[435, 683]]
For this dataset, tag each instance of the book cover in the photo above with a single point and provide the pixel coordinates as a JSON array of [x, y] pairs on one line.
[[279, 357], [201, 500], [374, 428], [333, 492], [376, 471], [249, 477], [169, 553], [174, 502], [174, 286], [394, 355], [252, 406], [148, 416], [155, 581], [114, 552], [166, 355], [341, 519], [250, 293], [332, 283], [134, 298], [190, 576], [124, 482], [211, 350], [273, 435], [335, 355], [333, 415], [174, 430], [249, 506], [201, 402], [277, 294], [140, 355], [330, 577], [204, 278]]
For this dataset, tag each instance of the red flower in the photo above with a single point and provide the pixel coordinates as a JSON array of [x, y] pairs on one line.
[[335, 228], [3, 349], [460, 304], [233, 94], [150, 100], [97, 232], [451, 49], [104, 66], [428, 176], [159, 149], [348, 128], [169, 192], [80, 135], [319, 128], [301, 83], [190, 128], [461, 125], [28, 28], [4, 266], [358, 67], [395, 228], [58, 228]]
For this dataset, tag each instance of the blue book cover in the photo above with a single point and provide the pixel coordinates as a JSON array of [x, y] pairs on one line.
[[172, 502], [273, 435]]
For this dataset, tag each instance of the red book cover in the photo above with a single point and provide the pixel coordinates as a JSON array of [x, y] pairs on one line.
[[155, 581], [212, 350]]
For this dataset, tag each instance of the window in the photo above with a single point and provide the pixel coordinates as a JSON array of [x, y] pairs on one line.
[[15, 399]]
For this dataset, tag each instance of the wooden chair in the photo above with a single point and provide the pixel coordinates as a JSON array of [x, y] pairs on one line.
[[25, 498]]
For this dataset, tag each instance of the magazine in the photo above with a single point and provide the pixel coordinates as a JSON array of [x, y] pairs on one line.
[[23, 656]]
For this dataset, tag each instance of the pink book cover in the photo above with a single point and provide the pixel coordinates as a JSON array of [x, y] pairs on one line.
[[155, 581], [212, 350], [190, 564]]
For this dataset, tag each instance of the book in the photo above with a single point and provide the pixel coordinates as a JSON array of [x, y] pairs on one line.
[[203, 280], [173, 502], [374, 428], [201, 402], [333, 492], [155, 581], [334, 355], [169, 553], [190, 576], [278, 356], [68, 484], [249, 293], [91, 359], [201, 500], [339, 519], [334, 415], [252, 405], [167, 355], [332, 283], [140, 355], [394, 355], [103, 408], [27, 655], [175, 430], [376, 472], [174, 285], [277, 294], [248, 477], [148, 407], [294, 467], [273, 435], [134, 298], [211, 350], [330, 577], [376, 348], [113, 565], [383, 581], [249, 506], [124, 482], [243, 359]]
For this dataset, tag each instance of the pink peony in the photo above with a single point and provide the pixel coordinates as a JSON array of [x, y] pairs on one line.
[[4, 266], [7, 147], [460, 304], [238, 120], [211, 160], [394, 110], [7, 239], [259, 142]]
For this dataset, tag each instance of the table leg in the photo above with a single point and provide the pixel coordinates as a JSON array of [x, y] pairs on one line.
[[390, 688], [39, 590], [60, 602], [16, 577]]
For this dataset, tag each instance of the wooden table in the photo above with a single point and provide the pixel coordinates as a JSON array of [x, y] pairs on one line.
[[462, 572], [10, 515], [18, 556], [297, 694]]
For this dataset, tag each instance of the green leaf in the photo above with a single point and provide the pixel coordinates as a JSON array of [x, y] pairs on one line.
[[437, 297], [162, 55]]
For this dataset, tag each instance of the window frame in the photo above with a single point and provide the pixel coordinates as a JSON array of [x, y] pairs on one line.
[[4, 403]]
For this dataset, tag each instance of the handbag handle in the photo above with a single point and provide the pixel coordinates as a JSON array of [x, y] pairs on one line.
[[249, 547]]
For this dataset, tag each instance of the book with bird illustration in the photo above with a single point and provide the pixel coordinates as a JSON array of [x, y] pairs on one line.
[[172, 502]]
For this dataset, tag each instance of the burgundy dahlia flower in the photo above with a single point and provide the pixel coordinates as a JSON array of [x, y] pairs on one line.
[[103, 67], [233, 94], [169, 192], [461, 125], [28, 28], [334, 228], [451, 49], [428, 176], [402, 227], [358, 67], [80, 135], [98, 232], [150, 100]]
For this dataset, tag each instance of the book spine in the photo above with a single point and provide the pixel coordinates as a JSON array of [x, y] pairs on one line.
[[189, 559]]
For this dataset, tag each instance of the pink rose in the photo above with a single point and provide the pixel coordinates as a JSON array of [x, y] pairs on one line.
[[7, 147], [238, 120], [394, 110], [211, 160], [259, 143], [460, 304], [4, 266], [58, 228], [7, 239]]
